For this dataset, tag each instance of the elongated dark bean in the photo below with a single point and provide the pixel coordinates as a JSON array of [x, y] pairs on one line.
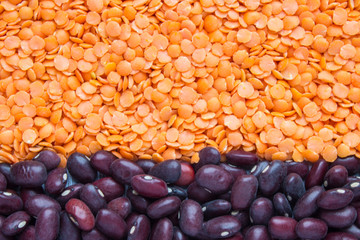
[[243, 192], [208, 155], [56, 181], [123, 170], [15, 223], [80, 214], [294, 187], [355, 188], [27, 234], [357, 220], [149, 186], [242, 158], [311, 228], [93, 197], [110, 188], [282, 227], [351, 163], [80, 168], [316, 174], [3, 182], [39, 202], [187, 175], [169, 171], [163, 207], [336, 177], [214, 178], [163, 229], [301, 168], [191, 217], [177, 191], [102, 160], [271, 177], [257, 232], [281, 205], [354, 230], [139, 203], [258, 168], [216, 208], [222, 227], [47, 224], [341, 218], [72, 191], [139, 228], [94, 234], [340, 236], [146, 164], [178, 234], [121, 205], [335, 198], [199, 194], [233, 170], [68, 230], [27, 193], [237, 236], [49, 158], [243, 217], [261, 210], [110, 224], [9, 203], [28, 174], [306, 205]]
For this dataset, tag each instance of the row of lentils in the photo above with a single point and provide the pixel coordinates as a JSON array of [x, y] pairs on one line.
[[242, 198]]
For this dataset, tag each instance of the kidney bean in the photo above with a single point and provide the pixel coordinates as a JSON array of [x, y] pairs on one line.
[[101, 161], [94, 234], [28, 174], [306, 205], [234, 171], [242, 158], [282, 227], [163, 229], [311, 228], [271, 177], [139, 203], [258, 168], [187, 175], [191, 217], [351, 163], [9, 202], [257, 232], [68, 230], [340, 236], [300, 168], [121, 205], [316, 174], [177, 191], [216, 208], [68, 193], [178, 234], [341, 218], [56, 181], [208, 155], [355, 188], [214, 178], [169, 171], [244, 191], [80, 214], [281, 205], [222, 227], [27, 193], [15, 223], [123, 170], [3, 182], [243, 217], [335, 177], [35, 204], [357, 220], [335, 198], [146, 164], [27, 234], [261, 210], [49, 158], [47, 224], [294, 187], [225, 196], [110, 224], [139, 228], [237, 236], [93, 197], [80, 168], [149, 186], [110, 188], [163, 207], [199, 194], [354, 230]]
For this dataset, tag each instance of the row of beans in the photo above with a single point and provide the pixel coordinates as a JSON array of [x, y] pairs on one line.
[[242, 198]]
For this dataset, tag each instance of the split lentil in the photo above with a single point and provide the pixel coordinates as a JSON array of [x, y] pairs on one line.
[[163, 79]]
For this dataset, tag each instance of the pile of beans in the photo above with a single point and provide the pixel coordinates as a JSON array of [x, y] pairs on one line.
[[243, 198]]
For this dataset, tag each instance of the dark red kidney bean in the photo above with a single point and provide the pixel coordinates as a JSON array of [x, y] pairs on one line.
[[237, 236], [169, 171], [177, 191], [3, 182], [146, 164], [47, 224], [139, 203], [335, 177], [187, 175], [261, 210], [139, 228], [243, 192], [282, 228], [335, 198], [301, 168], [311, 228], [357, 220], [149, 186], [94, 234], [306, 205], [257, 232], [163, 230], [208, 155], [110, 224], [163, 207], [258, 168], [123, 170], [225, 196], [56, 181], [354, 230], [68, 193], [68, 230], [281, 205], [27, 193], [121, 205], [199, 194], [35, 204], [28, 174], [341, 218], [214, 178], [178, 234], [340, 236], [49, 158], [191, 217], [222, 227], [80, 168], [93, 197], [15, 223], [2, 219], [101, 161], [9, 202], [271, 177], [355, 188], [351, 163], [294, 187], [174, 218], [316, 174], [110, 188], [216, 208], [234, 171], [27, 234], [80, 214], [243, 217], [242, 158]]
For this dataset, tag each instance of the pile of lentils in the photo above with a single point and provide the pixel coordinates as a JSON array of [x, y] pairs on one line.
[[241, 198]]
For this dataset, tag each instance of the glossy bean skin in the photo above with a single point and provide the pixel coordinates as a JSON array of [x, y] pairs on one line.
[[311, 228], [336, 177], [123, 170], [225, 196], [47, 224], [15, 223], [242, 159], [28, 174], [178, 234], [169, 171], [9, 203], [355, 188], [237, 236], [163, 207], [149, 186], [39, 202], [27, 234], [191, 217], [139, 228], [49, 158], [3, 182], [282, 227], [94, 234], [243, 217], [351, 163], [139, 203], [80, 214], [316, 174], [68, 193], [56, 181], [102, 160], [80, 168], [261, 210], [335, 198], [244, 191], [357, 220], [208, 155], [27, 193], [121, 205], [163, 229], [187, 174], [214, 178], [234, 171], [294, 187], [306, 205], [271, 178], [222, 227], [146, 164], [68, 230], [216, 208], [110, 188], [199, 194], [341, 218], [110, 224], [354, 230], [257, 232], [300, 168], [281, 205], [340, 236], [93, 197], [177, 191], [258, 168]]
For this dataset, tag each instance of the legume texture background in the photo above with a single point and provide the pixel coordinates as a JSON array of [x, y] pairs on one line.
[[162, 79]]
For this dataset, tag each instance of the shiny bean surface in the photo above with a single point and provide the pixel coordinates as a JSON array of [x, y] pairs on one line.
[[208, 155], [93, 197], [121, 205], [198, 193], [355, 188], [341, 218], [242, 158], [222, 227], [110, 188], [39, 202], [27, 234], [94, 234], [27, 193], [177, 191], [139, 203], [80, 168], [282, 227], [261, 210], [311, 228], [102, 160], [244, 191], [110, 224], [3, 182], [281, 205], [233, 170], [187, 174], [139, 228], [9, 203], [335, 177], [28, 174], [49, 158], [123, 170], [47, 224], [80, 214], [169, 171], [340, 236], [243, 217], [15, 223], [178, 234], [335, 198], [149, 186], [163, 229], [306, 205], [191, 217], [271, 177], [316, 174], [258, 168], [214, 178], [293, 187], [68, 230], [351, 163], [257, 232], [146, 164], [163, 207], [68, 193], [56, 181], [216, 208], [301, 168]]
